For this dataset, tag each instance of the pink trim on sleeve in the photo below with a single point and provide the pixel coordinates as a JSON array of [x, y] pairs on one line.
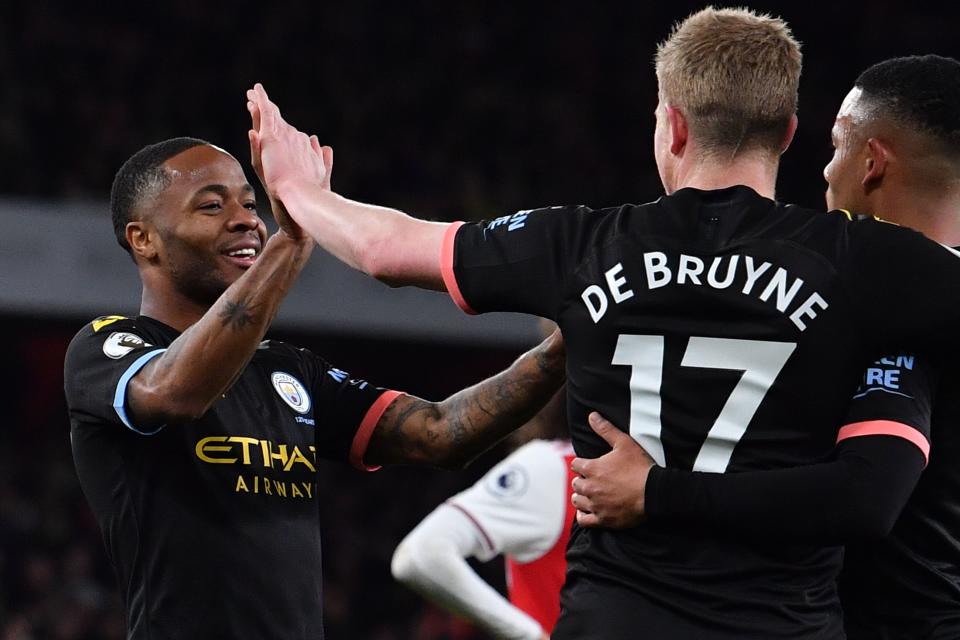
[[362, 438], [887, 428], [446, 268]]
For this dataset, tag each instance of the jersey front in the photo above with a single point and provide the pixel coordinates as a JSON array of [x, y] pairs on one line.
[[212, 525], [726, 333], [907, 586]]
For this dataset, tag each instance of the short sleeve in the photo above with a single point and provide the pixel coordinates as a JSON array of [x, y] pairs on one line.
[[347, 410], [519, 506], [513, 263], [101, 360], [895, 398]]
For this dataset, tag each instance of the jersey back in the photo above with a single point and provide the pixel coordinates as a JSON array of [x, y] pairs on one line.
[[725, 332]]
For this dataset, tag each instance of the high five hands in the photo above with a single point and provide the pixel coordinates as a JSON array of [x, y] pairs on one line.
[[281, 155], [610, 491]]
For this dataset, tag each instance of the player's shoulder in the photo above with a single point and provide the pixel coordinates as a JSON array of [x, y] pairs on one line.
[[875, 237], [106, 328], [280, 354], [105, 323], [110, 338]]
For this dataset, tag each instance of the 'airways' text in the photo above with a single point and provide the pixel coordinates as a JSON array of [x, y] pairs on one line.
[[768, 283]]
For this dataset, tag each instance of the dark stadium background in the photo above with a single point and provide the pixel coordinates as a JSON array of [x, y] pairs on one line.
[[449, 110]]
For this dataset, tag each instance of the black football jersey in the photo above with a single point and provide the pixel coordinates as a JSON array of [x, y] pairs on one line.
[[726, 333], [907, 586], [212, 525]]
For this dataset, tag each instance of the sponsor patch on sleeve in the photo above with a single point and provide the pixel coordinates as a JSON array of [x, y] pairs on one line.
[[510, 483]]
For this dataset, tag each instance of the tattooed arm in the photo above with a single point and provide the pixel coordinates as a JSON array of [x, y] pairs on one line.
[[453, 432], [200, 365]]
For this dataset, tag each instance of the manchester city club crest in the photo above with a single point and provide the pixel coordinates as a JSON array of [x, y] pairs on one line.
[[292, 392]]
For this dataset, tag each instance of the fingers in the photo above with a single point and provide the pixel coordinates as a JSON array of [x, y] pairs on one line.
[[269, 113], [254, 114], [581, 466], [254, 138], [581, 502], [587, 520], [606, 429], [327, 155]]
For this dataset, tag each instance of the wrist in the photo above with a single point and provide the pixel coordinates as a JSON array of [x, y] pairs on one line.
[[293, 188], [650, 503], [300, 245]]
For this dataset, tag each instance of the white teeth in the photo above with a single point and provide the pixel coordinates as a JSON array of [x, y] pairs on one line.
[[243, 253]]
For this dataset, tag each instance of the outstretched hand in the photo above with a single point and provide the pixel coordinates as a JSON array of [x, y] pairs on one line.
[[282, 155], [610, 490]]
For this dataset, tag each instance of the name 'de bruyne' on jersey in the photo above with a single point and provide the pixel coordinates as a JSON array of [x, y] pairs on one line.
[[773, 285]]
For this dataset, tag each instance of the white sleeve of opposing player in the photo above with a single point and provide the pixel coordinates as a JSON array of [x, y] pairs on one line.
[[520, 505], [430, 560]]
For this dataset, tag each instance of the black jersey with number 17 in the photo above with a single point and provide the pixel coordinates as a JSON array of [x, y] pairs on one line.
[[726, 333]]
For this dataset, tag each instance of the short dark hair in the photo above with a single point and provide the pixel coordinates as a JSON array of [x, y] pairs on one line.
[[921, 92], [142, 175]]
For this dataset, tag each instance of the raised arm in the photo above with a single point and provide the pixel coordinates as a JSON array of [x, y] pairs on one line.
[[384, 243], [199, 366], [454, 432]]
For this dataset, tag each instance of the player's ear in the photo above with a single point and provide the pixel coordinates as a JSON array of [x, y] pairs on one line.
[[791, 131], [141, 239], [679, 131], [876, 159]]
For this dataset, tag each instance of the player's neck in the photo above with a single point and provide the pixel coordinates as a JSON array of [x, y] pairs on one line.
[[170, 308], [752, 171], [934, 213]]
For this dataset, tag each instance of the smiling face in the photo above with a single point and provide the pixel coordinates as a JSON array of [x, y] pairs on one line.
[[206, 225]]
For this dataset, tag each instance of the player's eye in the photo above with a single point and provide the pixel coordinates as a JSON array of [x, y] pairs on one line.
[[252, 206], [210, 206]]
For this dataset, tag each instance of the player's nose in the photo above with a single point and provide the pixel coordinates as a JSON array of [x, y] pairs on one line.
[[242, 218]]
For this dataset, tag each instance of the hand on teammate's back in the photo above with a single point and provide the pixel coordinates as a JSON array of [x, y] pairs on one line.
[[610, 490]]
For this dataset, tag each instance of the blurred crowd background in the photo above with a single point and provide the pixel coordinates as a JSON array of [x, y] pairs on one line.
[[447, 110]]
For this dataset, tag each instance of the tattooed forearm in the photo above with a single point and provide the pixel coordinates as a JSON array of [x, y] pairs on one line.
[[236, 315], [453, 432], [402, 431]]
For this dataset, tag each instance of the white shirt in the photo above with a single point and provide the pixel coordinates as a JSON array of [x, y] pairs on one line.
[[518, 508]]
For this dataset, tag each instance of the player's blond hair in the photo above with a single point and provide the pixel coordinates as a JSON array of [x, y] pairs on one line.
[[734, 74]]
